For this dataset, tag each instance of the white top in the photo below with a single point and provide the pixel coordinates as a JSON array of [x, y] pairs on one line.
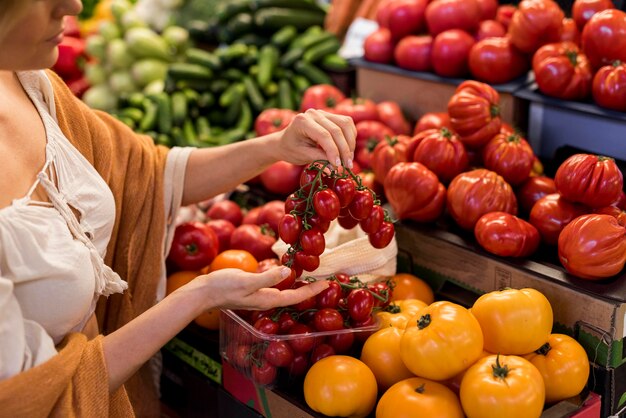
[[51, 261]]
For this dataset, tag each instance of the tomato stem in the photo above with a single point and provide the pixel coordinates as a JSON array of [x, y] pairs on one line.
[[498, 370], [421, 388], [191, 249], [424, 321], [544, 349], [393, 308], [572, 56], [494, 110]]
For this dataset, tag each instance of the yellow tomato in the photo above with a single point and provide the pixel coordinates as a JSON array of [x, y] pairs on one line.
[[418, 397], [381, 353], [564, 366], [514, 321], [408, 286], [442, 340], [502, 386], [340, 386], [209, 319], [398, 313], [455, 382]]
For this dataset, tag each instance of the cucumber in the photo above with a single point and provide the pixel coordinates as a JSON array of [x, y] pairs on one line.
[[253, 93], [252, 39], [268, 60], [234, 107], [284, 36], [300, 83], [237, 26], [311, 40], [228, 9], [271, 89], [179, 108], [321, 49], [291, 4], [291, 56], [274, 18], [335, 62], [311, 72], [186, 71], [134, 114], [204, 58], [178, 139], [206, 100], [231, 52], [165, 113], [230, 136], [229, 95], [149, 120], [245, 117], [203, 128], [164, 139], [189, 133], [313, 30], [219, 86], [285, 98], [233, 74]]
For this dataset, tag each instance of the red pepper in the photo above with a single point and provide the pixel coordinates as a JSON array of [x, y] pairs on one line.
[[71, 58], [194, 246]]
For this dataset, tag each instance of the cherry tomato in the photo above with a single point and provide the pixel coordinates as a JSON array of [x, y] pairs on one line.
[[322, 224], [288, 282], [345, 189], [326, 204], [279, 354], [321, 351], [373, 222], [294, 203], [306, 304], [299, 365], [289, 228], [306, 261], [241, 357], [313, 242], [327, 319], [285, 322], [361, 205], [304, 342], [360, 304], [329, 297], [263, 373], [382, 237], [341, 343], [256, 315], [383, 290], [307, 178], [347, 221], [266, 325]]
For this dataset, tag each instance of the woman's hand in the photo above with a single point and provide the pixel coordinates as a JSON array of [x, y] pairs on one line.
[[318, 135], [237, 289]]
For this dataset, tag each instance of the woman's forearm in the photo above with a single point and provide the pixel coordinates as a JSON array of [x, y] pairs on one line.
[[211, 171]]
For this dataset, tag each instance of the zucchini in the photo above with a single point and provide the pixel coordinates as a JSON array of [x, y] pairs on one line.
[[274, 18]]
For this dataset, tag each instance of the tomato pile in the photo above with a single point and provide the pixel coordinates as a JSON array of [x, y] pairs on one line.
[[327, 194], [291, 339]]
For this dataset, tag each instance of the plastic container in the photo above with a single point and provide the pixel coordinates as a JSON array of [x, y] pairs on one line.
[[264, 359]]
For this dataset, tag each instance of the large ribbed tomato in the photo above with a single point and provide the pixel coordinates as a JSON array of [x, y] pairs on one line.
[[381, 353], [475, 113], [496, 60], [535, 23], [388, 152], [609, 86], [615, 211], [432, 120], [475, 193], [564, 366], [551, 213], [509, 155], [443, 153], [506, 235], [441, 340], [563, 71], [592, 180], [593, 246], [582, 10], [604, 38], [514, 321], [414, 192], [419, 397], [502, 386], [533, 189]]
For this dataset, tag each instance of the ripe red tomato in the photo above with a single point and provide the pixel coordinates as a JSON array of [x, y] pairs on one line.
[[321, 96], [425, 206], [326, 204], [406, 17], [510, 156], [327, 319], [263, 373], [442, 15], [535, 23], [562, 71], [609, 86], [226, 209], [551, 214], [359, 109], [616, 212], [604, 38], [289, 228], [382, 237], [281, 177], [387, 154], [582, 10], [496, 60], [432, 120], [506, 235], [378, 46], [504, 14], [273, 120], [255, 239], [313, 241], [345, 189], [362, 204], [329, 297], [371, 130], [194, 246], [450, 51], [474, 113], [592, 180], [360, 304], [533, 189], [443, 153], [279, 353], [569, 31], [475, 193], [488, 9], [593, 247], [266, 325], [294, 203], [391, 115], [490, 29], [223, 229], [322, 351], [305, 342], [374, 221], [271, 213], [413, 52], [306, 261]]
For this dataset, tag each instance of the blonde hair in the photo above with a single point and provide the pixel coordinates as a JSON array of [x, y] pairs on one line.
[[10, 12]]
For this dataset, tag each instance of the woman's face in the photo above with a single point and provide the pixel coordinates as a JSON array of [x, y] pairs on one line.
[[32, 42]]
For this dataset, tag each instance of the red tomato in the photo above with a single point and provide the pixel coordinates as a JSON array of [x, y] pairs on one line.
[[279, 353], [313, 241], [593, 247], [194, 246], [495, 61], [569, 31], [488, 9], [432, 120], [406, 17], [273, 120], [226, 209], [510, 156], [616, 212], [281, 177], [504, 14], [327, 319], [551, 214], [362, 204], [391, 115], [289, 228], [305, 341], [442, 152], [582, 10], [372, 223], [263, 373], [592, 180], [535, 23], [609, 86], [450, 52], [475, 193], [425, 206], [271, 213], [371, 130], [360, 304], [223, 230], [256, 240], [321, 351], [382, 14], [321, 96], [413, 52], [329, 297], [533, 189], [251, 216], [387, 154], [474, 113], [378, 46], [442, 15], [359, 109], [506, 235], [604, 38], [326, 204], [562, 71], [382, 237], [490, 29]]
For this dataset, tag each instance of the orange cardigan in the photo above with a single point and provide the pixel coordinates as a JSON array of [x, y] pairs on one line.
[[74, 383]]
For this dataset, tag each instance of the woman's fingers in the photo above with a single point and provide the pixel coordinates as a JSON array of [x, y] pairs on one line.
[[333, 133], [276, 298]]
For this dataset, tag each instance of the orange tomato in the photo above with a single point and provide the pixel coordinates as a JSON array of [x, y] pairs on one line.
[[178, 279], [408, 286], [237, 259], [418, 397], [381, 353], [209, 319], [398, 313]]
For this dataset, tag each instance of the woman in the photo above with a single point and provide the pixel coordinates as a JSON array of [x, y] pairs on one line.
[[85, 211]]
